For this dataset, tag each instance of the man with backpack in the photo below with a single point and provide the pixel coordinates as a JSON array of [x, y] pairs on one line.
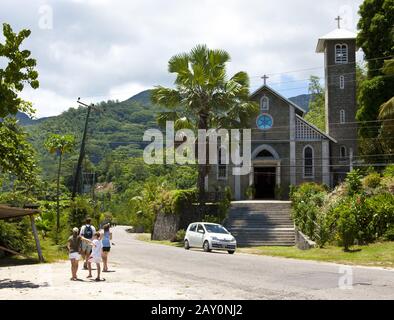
[[87, 231]]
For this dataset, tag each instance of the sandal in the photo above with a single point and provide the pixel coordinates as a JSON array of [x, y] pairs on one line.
[[98, 279], [90, 276]]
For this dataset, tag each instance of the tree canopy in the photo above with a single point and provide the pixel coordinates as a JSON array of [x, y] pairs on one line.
[[204, 97], [316, 113], [376, 38], [20, 70]]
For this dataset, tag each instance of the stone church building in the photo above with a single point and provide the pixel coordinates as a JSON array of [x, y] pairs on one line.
[[288, 150]]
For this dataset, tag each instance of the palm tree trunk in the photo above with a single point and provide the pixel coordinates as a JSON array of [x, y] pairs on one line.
[[202, 168], [58, 196]]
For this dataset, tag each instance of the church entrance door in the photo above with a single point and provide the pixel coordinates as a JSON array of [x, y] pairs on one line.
[[264, 182]]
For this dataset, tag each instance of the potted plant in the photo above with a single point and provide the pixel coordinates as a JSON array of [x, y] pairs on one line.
[[250, 192]]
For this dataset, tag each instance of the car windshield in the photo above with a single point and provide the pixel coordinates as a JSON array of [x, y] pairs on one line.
[[214, 228]]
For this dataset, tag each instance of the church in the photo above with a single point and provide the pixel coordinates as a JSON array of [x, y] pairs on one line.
[[288, 150]]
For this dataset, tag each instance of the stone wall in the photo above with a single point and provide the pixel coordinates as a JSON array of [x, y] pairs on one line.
[[167, 225]]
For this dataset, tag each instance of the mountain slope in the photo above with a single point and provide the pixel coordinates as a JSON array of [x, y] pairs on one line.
[[112, 125]]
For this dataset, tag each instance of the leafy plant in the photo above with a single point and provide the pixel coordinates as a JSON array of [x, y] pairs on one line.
[[180, 235], [250, 192], [353, 182], [372, 180]]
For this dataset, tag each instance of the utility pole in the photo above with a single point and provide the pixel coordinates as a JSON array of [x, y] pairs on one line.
[[82, 151]]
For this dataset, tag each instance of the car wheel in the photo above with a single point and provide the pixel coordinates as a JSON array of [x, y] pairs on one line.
[[206, 246], [187, 246], [231, 251]]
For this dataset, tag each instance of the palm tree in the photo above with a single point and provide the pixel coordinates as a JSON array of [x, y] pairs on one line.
[[203, 96], [387, 108], [59, 144]]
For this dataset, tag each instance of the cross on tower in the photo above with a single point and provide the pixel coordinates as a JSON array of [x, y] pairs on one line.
[[265, 77], [339, 21]]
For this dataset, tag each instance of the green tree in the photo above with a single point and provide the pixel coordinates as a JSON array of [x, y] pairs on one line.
[[204, 97], [387, 108], [316, 113], [59, 144], [18, 72], [16, 154], [386, 114], [376, 38]]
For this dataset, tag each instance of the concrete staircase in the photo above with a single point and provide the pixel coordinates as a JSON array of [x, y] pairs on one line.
[[261, 223]]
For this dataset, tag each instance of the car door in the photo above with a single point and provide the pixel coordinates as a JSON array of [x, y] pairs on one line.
[[192, 235], [199, 235]]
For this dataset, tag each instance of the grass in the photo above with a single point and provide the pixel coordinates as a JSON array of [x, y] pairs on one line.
[[53, 252], [377, 254], [50, 251], [146, 237]]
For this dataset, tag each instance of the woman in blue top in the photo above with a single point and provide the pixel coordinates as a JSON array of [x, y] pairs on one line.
[[106, 241]]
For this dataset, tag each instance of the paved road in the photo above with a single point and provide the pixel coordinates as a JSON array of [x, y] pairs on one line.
[[152, 271]]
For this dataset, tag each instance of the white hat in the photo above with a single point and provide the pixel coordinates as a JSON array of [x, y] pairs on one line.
[[75, 229]]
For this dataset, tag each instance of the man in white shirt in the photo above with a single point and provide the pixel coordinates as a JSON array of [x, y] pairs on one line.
[[87, 231]]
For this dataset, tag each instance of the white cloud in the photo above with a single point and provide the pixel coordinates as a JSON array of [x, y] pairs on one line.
[[102, 49]]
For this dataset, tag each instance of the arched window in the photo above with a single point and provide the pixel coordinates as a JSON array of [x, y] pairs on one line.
[[341, 53], [308, 162], [342, 82], [342, 116], [343, 152], [222, 164], [264, 103]]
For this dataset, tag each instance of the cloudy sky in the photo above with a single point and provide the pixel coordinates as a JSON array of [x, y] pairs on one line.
[[113, 49]]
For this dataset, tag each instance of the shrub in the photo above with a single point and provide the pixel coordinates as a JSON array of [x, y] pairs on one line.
[[16, 235], [381, 208], [353, 182], [250, 192], [389, 171], [180, 235], [308, 200], [79, 210], [347, 223], [211, 218], [389, 234], [372, 180]]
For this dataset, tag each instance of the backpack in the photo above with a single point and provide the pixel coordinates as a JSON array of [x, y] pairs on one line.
[[88, 232]]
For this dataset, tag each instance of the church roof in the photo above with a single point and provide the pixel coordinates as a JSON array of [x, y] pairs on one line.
[[313, 127], [264, 86], [337, 34]]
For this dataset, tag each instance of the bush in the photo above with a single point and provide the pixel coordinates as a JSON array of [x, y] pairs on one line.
[[389, 171], [381, 208], [347, 223], [17, 235], [211, 219], [372, 180], [180, 235], [307, 201], [79, 210], [353, 182], [389, 234]]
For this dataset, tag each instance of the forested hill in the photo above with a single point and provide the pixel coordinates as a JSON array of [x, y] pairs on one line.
[[114, 125]]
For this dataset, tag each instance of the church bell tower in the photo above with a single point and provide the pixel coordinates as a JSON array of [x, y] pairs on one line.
[[339, 48]]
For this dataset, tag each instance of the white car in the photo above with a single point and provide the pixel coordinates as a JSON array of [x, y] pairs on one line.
[[209, 236]]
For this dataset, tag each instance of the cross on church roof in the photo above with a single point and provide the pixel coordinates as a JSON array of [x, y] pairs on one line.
[[265, 77], [339, 21]]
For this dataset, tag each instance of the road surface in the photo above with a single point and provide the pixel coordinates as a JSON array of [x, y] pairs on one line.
[[152, 271]]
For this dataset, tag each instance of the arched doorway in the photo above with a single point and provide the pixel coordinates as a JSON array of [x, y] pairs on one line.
[[265, 176]]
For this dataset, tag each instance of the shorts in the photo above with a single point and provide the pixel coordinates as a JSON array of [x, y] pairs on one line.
[[94, 259], [106, 249], [86, 247], [74, 255]]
